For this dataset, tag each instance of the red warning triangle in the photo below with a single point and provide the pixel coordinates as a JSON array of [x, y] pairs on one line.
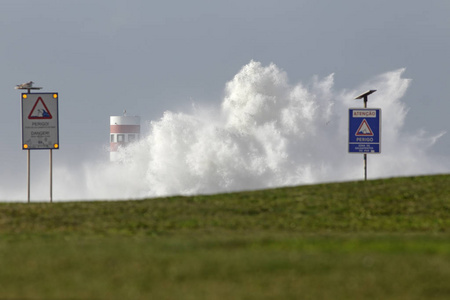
[[364, 129], [40, 110]]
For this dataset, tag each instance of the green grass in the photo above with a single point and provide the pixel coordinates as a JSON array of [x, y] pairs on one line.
[[381, 239]]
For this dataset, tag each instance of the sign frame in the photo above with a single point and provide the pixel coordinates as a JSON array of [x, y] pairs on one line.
[[364, 130], [40, 121]]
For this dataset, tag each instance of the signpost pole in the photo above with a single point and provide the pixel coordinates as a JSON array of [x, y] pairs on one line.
[[365, 167], [28, 162], [28, 175], [365, 154], [51, 176]]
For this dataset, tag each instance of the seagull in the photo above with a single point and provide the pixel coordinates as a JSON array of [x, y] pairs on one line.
[[25, 85]]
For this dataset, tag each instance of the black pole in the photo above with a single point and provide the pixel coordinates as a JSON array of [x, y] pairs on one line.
[[28, 166], [365, 154]]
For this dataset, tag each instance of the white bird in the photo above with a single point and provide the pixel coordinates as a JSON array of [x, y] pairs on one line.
[[25, 85]]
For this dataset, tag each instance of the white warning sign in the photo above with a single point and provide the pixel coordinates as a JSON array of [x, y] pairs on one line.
[[364, 129], [40, 128], [40, 110]]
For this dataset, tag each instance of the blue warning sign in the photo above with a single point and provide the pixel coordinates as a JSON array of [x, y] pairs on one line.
[[364, 130]]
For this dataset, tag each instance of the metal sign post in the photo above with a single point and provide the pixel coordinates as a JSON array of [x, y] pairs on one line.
[[364, 130], [51, 176], [40, 126]]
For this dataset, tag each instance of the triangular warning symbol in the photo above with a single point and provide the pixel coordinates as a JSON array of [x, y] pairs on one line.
[[364, 129], [40, 110]]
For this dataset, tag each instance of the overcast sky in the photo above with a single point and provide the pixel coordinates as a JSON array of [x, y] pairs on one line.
[[152, 56]]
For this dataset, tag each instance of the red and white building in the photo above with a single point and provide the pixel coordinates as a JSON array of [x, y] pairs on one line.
[[123, 130]]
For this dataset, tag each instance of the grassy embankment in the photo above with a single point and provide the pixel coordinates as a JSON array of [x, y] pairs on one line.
[[382, 239]]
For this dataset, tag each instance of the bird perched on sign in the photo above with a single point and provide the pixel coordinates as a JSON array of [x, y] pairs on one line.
[[25, 85]]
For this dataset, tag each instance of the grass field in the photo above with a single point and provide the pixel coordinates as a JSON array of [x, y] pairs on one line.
[[381, 239]]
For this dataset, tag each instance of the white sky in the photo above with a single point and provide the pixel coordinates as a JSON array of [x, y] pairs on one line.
[[151, 56]]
